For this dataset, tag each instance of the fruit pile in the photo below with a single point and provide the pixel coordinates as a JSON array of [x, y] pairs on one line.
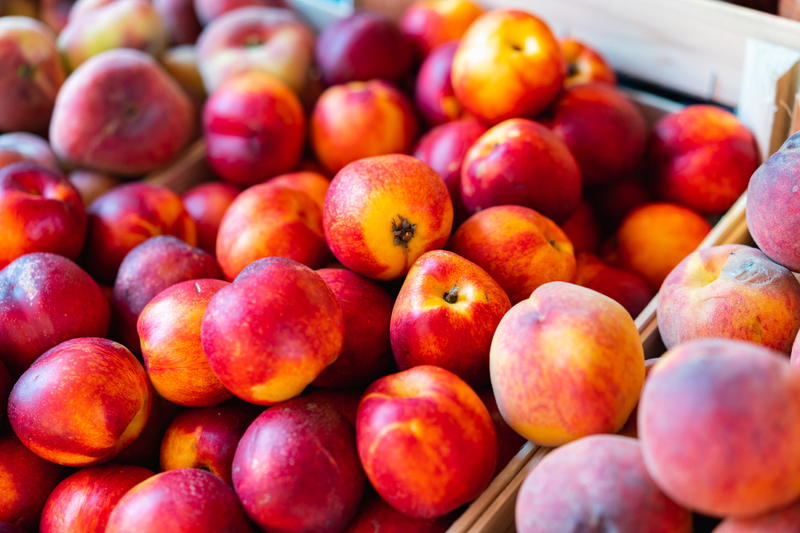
[[323, 337]]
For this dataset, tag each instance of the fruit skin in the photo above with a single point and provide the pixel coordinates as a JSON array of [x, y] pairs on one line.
[[208, 10], [382, 213], [91, 185], [55, 13], [345, 401], [361, 119], [206, 438], [630, 291], [270, 220], [225, 49], [81, 402], [40, 211], [596, 480], [272, 331], [21, 146], [296, 468], [188, 499], [180, 62], [169, 329], [83, 501], [314, 184], [733, 292], [32, 74], [445, 315], [376, 515], [771, 190], [614, 201], [443, 148], [509, 441], [46, 299], [737, 454], [702, 157], [151, 267], [254, 128], [125, 217], [206, 204], [25, 482], [520, 162], [582, 229], [179, 19], [426, 441], [519, 248], [508, 64], [655, 237], [144, 451], [603, 129], [366, 353], [584, 64], [6, 383], [784, 520], [6, 527], [566, 363], [433, 92], [431, 23]]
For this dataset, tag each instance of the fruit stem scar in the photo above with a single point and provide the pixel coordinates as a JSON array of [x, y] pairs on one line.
[[451, 296], [572, 69], [554, 244], [25, 71], [403, 231]]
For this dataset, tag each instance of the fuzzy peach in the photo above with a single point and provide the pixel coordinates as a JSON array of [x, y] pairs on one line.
[[91, 184], [632, 292], [433, 92], [566, 363], [520, 162], [382, 213], [21, 146], [517, 247], [206, 204], [314, 184], [361, 119], [432, 23], [585, 64], [582, 229], [81, 402]]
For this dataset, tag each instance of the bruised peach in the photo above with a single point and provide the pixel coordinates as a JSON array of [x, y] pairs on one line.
[[582, 229], [169, 329], [270, 220], [596, 480], [434, 94], [426, 441], [296, 468], [736, 407], [382, 213], [376, 515], [22, 146], [783, 520], [566, 363], [207, 204], [272, 331], [628, 290], [520, 162], [81, 402], [584, 64], [83, 501], [517, 247], [314, 184], [431, 23]]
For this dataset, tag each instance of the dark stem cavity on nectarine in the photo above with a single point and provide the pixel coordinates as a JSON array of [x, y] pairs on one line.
[[403, 231], [451, 296]]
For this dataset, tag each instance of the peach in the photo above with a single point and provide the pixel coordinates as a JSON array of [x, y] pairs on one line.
[[426, 441], [314, 184], [702, 157], [206, 204], [125, 217], [630, 291], [25, 482], [169, 329], [208, 10], [519, 248], [296, 469], [508, 64], [603, 129], [732, 292], [180, 20], [566, 363], [90, 184], [431, 23], [95, 26], [736, 407], [40, 211], [433, 92], [358, 120], [120, 113], [82, 502], [366, 353], [265, 39], [151, 267], [521, 162], [205, 438], [784, 520], [81, 402], [271, 220], [31, 74], [376, 515], [596, 480], [272, 331], [443, 148], [187, 499], [22, 146], [46, 299], [509, 441], [772, 190], [655, 237], [362, 47], [382, 213], [585, 64], [445, 315], [254, 129], [582, 229]]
